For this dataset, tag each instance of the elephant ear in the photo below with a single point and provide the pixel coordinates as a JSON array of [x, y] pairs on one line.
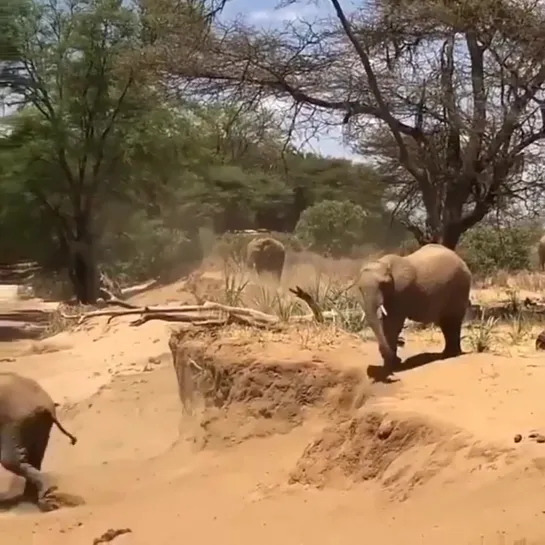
[[386, 285], [384, 275]]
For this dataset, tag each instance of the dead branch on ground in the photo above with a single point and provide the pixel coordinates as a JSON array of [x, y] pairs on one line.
[[112, 300], [309, 300], [188, 314], [207, 314]]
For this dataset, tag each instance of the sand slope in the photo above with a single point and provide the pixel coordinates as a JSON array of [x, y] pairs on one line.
[[294, 446]]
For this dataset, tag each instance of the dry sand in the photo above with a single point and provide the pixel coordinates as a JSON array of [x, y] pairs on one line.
[[297, 446]]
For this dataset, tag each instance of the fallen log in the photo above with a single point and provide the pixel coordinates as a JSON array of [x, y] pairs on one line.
[[170, 313], [230, 319], [31, 315], [12, 331], [129, 291]]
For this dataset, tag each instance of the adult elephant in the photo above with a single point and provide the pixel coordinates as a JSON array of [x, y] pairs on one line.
[[541, 252], [27, 414], [430, 285], [266, 255]]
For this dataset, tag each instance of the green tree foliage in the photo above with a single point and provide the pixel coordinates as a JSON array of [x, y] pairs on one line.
[[10, 12], [488, 248], [99, 166], [67, 144], [445, 97], [333, 228]]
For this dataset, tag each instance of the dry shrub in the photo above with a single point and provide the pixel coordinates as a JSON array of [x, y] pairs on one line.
[[325, 279], [58, 321], [524, 280]]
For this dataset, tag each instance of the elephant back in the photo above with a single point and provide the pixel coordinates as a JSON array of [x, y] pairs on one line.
[[443, 279], [21, 396]]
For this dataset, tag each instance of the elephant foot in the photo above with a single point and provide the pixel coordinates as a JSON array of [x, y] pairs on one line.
[[48, 491], [46, 505], [392, 363], [48, 500], [451, 353]]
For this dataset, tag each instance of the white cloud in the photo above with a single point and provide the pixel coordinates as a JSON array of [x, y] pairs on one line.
[[287, 13]]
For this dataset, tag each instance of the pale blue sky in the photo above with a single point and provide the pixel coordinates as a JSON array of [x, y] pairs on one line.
[[263, 13]]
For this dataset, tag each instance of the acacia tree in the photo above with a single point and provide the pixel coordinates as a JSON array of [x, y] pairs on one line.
[[446, 96], [77, 98], [84, 108]]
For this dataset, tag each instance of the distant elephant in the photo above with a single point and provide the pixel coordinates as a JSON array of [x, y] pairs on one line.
[[431, 285], [27, 414], [266, 255], [541, 252]]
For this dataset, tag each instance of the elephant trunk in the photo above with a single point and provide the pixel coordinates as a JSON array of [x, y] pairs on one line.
[[374, 310]]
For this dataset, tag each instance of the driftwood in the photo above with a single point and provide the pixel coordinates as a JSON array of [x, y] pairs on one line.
[[309, 300], [206, 314], [11, 331], [180, 318]]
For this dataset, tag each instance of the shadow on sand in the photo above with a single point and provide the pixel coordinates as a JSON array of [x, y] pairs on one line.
[[379, 373]]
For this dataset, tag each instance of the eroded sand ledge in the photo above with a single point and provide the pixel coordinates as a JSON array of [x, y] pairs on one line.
[[286, 429], [242, 394]]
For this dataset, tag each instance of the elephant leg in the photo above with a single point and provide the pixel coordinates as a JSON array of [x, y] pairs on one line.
[[392, 329], [452, 331], [36, 438], [15, 458]]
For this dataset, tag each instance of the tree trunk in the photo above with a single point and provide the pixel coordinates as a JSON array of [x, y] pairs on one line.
[[447, 233], [451, 236], [83, 267]]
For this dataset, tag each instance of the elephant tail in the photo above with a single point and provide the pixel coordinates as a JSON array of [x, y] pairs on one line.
[[73, 439]]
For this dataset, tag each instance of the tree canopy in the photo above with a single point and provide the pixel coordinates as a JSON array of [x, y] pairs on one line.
[[134, 126], [100, 156], [445, 97]]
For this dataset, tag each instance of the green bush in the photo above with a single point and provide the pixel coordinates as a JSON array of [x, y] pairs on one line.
[[332, 228], [487, 249], [149, 249]]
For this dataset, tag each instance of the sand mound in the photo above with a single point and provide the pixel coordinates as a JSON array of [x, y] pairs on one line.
[[400, 453], [266, 418], [236, 395]]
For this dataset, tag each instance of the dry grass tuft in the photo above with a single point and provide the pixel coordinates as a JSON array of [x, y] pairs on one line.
[[58, 323], [531, 281], [327, 281]]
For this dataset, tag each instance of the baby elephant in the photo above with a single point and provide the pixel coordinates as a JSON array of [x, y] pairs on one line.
[[27, 414]]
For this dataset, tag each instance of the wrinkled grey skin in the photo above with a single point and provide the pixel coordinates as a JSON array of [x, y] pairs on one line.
[[541, 252], [430, 285], [27, 414], [266, 255]]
